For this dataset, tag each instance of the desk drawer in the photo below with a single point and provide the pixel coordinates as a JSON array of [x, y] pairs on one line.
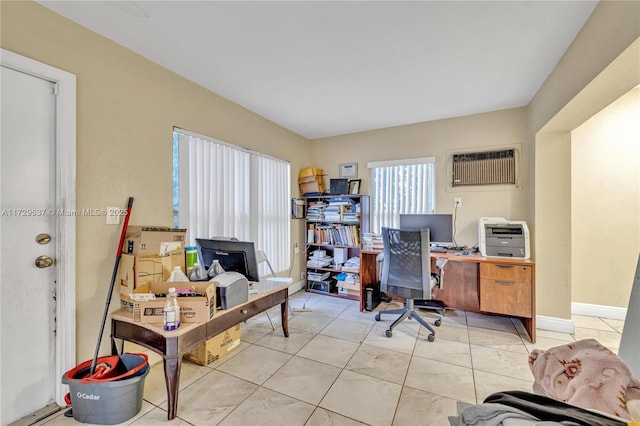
[[506, 297], [505, 272]]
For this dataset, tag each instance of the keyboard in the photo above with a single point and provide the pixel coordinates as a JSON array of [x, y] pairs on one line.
[[438, 249]]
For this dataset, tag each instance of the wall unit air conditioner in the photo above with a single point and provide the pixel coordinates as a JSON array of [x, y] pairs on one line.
[[484, 168]]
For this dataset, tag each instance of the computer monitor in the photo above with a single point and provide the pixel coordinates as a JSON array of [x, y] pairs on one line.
[[233, 255], [440, 226]]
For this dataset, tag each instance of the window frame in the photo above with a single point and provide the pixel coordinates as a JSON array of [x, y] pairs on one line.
[[250, 222], [392, 218]]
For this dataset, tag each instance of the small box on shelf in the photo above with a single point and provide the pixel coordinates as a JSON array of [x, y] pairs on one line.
[[327, 286]]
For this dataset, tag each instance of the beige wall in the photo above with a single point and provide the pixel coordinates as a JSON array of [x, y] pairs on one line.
[[553, 237], [438, 139], [126, 109], [600, 66], [605, 203]]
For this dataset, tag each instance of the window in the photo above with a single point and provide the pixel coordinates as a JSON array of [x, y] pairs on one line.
[[222, 190], [401, 187]]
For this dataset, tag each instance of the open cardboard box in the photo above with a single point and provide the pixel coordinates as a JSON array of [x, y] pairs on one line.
[[192, 308], [135, 271], [147, 240], [311, 180]]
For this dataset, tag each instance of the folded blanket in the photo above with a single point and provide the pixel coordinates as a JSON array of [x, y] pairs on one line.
[[585, 374]]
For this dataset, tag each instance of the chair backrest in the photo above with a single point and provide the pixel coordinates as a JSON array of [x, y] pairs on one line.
[[261, 257], [406, 269]]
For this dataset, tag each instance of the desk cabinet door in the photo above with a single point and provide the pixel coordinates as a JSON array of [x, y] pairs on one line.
[[506, 289]]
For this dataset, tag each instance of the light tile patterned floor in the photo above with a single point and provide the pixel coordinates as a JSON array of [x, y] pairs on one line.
[[338, 368]]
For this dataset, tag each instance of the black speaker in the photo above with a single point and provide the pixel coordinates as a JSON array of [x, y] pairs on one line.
[[372, 297]]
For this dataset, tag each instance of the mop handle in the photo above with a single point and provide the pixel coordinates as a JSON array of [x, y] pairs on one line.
[[111, 285], [124, 226]]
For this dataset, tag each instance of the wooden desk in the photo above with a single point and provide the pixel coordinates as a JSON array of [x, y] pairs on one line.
[[473, 283], [173, 344]]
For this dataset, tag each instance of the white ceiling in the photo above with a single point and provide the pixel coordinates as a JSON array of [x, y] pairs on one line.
[[323, 68]]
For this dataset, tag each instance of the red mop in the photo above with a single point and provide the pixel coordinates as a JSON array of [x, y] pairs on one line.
[[110, 369], [107, 368]]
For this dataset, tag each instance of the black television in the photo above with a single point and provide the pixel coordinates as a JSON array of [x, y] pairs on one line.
[[440, 226], [233, 255]]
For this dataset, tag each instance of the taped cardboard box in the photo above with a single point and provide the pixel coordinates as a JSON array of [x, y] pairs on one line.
[[200, 308], [311, 180], [312, 187], [216, 347], [309, 174], [149, 240], [135, 271]]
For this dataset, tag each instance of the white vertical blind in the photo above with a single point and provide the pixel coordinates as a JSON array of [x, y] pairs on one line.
[[228, 191], [271, 206], [401, 187]]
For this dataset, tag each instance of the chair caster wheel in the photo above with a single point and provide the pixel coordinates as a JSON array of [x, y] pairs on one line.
[[431, 337], [388, 333], [378, 317], [437, 323]]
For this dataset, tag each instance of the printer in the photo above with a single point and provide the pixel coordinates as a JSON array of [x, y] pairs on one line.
[[499, 237], [232, 289]]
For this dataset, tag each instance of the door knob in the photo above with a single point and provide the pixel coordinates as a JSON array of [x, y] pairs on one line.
[[44, 261], [43, 238]]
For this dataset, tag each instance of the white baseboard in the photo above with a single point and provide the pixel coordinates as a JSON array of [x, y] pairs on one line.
[[561, 325], [611, 312], [297, 286]]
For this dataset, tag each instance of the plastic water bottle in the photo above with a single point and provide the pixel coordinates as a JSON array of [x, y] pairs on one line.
[[197, 274], [171, 311], [215, 269], [177, 276]]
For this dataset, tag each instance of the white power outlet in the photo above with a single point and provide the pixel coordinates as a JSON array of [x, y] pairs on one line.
[[457, 202], [113, 216]]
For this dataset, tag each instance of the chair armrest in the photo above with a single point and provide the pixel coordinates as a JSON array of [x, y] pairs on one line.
[[440, 262]]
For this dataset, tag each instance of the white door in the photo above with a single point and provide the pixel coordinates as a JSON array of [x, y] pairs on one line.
[[27, 241]]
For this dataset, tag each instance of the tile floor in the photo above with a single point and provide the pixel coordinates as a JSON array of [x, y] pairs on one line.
[[338, 368]]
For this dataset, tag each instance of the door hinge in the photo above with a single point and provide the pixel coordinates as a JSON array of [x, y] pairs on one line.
[[54, 89]]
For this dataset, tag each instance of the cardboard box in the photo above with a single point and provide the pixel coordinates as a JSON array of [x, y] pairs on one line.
[[347, 292], [311, 180], [216, 347], [147, 240], [349, 286], [135, 271], [192, 308], [309, 187], [309, 174]]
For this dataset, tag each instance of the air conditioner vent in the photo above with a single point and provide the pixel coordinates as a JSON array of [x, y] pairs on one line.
[[484, 168]]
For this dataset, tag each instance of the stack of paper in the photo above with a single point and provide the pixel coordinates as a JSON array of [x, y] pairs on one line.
[[371, 241], [319, 262]]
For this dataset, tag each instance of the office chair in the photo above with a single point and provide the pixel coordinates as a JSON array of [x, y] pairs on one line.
[[406, 273], [261, 257]]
